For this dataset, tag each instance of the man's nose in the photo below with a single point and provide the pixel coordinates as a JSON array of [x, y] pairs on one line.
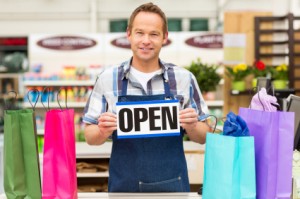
[[146, 38]]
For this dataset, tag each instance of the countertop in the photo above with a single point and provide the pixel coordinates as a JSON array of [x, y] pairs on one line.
[[139, 195], [191, 195]]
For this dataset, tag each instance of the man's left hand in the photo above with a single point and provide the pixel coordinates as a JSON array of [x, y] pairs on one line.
[[188, 118]]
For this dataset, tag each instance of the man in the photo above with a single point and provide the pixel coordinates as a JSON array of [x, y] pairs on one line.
[[154, 164]]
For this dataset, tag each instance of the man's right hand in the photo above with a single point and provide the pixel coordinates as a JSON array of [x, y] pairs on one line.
[[107, 123]]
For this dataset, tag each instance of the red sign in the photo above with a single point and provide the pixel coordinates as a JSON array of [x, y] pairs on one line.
[[13, 41], [123, 42], [206, 41], [66, 43]]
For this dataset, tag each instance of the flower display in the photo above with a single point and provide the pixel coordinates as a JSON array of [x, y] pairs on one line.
[[280, 72], [238, 72], [260, 69]]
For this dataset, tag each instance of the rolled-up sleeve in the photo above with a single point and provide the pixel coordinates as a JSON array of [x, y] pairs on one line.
[[96, 103], [197, 101]]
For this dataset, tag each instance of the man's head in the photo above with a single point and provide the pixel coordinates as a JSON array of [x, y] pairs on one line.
[[148, 7]]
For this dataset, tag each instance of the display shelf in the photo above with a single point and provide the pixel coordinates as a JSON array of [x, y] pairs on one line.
[[56, 105], [93, 175], [10, 75], [215, 103], [83, 150], [40, 131], [59, 83]]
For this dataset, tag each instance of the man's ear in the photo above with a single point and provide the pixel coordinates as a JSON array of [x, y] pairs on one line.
[[166, 37], [128, 33]]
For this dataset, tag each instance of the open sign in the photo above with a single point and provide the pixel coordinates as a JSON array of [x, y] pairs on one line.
[[148, 119]]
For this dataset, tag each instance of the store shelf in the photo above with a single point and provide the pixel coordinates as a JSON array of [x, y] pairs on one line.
[[59, 83], [93, 175], [83, 150], [10, 75], [56, 105], [40, 131], [215, 103]]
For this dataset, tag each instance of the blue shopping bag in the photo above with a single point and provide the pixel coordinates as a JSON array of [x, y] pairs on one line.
[[229, 167]]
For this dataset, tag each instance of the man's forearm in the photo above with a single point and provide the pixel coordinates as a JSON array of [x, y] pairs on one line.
[[93, 136]]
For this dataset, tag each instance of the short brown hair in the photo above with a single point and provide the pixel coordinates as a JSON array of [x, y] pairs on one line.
[[149, 7]]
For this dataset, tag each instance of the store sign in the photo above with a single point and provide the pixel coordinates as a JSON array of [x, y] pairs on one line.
[[148, 119], [206, 41], [123, 42], [13, 41], [66, 43]]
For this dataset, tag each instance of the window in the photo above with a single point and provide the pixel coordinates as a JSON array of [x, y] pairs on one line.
[[199, 25], [174, 25], [118, 25]]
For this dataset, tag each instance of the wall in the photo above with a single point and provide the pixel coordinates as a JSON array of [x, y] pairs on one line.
[[19, 17]]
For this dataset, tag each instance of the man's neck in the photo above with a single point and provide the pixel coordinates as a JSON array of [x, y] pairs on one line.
[[146, 67]]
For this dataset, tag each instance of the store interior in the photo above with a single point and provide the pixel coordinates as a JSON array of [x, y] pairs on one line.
[[61, 46]]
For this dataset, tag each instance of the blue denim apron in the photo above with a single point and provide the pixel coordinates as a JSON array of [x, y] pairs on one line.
[[155, 164]]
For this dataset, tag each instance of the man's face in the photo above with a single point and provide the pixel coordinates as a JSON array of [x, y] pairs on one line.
[[146, 36]]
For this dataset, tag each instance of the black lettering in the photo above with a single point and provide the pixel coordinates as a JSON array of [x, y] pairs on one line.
[[122, 126], [153, 117], [140, 115], [167, 115]]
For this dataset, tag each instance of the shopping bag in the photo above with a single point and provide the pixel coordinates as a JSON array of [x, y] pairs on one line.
[[21, 160], [274, 134], [229, 167], [59, 159]]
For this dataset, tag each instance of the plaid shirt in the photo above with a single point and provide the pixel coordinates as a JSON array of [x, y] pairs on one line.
[[107, 88]]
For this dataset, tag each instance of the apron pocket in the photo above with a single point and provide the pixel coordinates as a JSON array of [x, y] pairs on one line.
[[171, 185]]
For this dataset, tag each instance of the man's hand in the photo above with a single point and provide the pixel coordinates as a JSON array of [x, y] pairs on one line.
[[107, 123], [196, 130], [188, 118]]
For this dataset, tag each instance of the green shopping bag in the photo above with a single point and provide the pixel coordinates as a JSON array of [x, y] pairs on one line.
[[229, 167], [21, 162]]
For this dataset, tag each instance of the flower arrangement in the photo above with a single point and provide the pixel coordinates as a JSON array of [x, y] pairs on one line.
[[238, 72], [280, 72], [260, 69]]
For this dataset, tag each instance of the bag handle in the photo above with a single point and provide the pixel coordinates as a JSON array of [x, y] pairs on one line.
[[48, 91], [66, 98], [14, 99], [215, 125], [37, 99]]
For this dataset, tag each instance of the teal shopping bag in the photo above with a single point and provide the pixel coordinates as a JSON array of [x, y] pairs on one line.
[[229, 167]]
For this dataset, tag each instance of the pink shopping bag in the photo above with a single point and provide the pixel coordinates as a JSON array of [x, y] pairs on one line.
[[59, 159]]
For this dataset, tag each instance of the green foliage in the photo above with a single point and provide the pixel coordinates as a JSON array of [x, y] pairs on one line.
[[206, 75], [280, 72], [238, 72]]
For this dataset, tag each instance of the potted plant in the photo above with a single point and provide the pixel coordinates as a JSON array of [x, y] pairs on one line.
[[280, 76], [259, 69], [237, 74], [206, 75]]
